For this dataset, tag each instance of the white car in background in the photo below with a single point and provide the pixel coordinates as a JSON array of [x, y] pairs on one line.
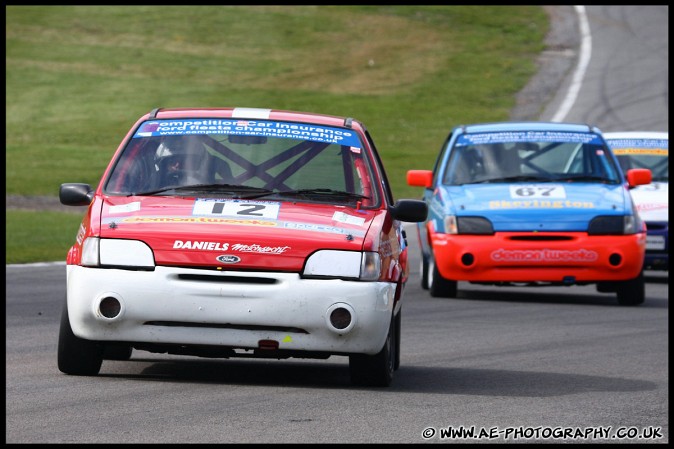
[[645, 149]]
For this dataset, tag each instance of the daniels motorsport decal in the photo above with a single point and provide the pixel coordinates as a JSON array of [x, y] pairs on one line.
[[223, 246]]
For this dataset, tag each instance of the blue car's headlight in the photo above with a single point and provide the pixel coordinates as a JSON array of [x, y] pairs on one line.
[[468, 225], [474, 225], [451, 225], [614, 225]]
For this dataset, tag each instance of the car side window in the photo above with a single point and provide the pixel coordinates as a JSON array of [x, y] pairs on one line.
[[379, 168], [134, 170], [441, 158]]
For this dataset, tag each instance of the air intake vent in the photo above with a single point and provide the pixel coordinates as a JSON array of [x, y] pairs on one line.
[[247, 327], [226, 279], [656, 226], [541, 238]]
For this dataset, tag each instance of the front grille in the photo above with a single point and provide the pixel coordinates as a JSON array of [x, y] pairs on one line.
[[227, 279], [541, 238], [247, 327], [656, 226]]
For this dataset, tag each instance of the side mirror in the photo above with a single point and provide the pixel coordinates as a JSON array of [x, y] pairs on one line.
[[410, 210], [420, 178], [639, 176], [76, 194]]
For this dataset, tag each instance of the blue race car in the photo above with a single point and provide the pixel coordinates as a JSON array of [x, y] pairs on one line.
[[531, 203], [637, 149]]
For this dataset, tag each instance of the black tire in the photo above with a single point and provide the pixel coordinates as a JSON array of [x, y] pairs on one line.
[[438, 285], [606, 287], [423, 270], [631, 292], [77, 356], [398, 321], [375, 370], [117, 351]]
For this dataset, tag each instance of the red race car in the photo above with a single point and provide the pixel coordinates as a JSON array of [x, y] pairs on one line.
[[239, 232]]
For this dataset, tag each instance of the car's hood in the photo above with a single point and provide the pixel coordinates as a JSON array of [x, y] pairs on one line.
[[538, 206], [223, 232], [652, 201]]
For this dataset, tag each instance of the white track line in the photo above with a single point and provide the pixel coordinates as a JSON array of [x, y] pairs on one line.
[[583, 61]]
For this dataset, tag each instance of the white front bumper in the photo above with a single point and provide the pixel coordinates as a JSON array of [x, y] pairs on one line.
[[227, 308]]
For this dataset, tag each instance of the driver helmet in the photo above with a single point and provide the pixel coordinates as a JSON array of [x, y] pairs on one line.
[[180, 160]]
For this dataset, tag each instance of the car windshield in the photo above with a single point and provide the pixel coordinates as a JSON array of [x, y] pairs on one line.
[[652, 154], [529, 157], [245, 159]]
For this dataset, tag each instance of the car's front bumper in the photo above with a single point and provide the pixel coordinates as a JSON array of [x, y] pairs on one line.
[[229, 309], [538, 257], [657, 246]]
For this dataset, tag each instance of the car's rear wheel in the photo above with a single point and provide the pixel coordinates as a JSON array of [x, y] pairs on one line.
[[632, 292], [438, 285], [375, 370], [75, 355]]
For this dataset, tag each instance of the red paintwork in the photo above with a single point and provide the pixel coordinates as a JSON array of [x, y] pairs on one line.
[[496, 257], [161, 220]]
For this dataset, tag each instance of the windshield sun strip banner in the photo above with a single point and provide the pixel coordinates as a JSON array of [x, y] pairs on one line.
[[640, 151], [248, 127], [527, 136], [624, 146]]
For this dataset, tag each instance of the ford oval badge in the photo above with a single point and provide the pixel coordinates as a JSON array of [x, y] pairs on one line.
[[228, 259]]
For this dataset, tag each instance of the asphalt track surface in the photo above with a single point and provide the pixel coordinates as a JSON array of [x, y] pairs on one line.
[[552, 364]]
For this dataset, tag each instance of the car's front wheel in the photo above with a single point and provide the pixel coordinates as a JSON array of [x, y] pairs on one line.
[[376, 370], [631, 292], [75, 355], [396, 359], [438, 285], [117, 351]]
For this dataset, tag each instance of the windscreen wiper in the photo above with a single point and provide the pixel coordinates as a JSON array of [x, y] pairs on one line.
[[207, 188], [517, 178], [307, 193], [327, 192], [586, 178]]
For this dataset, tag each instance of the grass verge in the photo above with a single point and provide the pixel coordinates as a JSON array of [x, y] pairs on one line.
[[77, 77]]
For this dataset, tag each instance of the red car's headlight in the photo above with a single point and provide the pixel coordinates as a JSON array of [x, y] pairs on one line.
[[363, 266]]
